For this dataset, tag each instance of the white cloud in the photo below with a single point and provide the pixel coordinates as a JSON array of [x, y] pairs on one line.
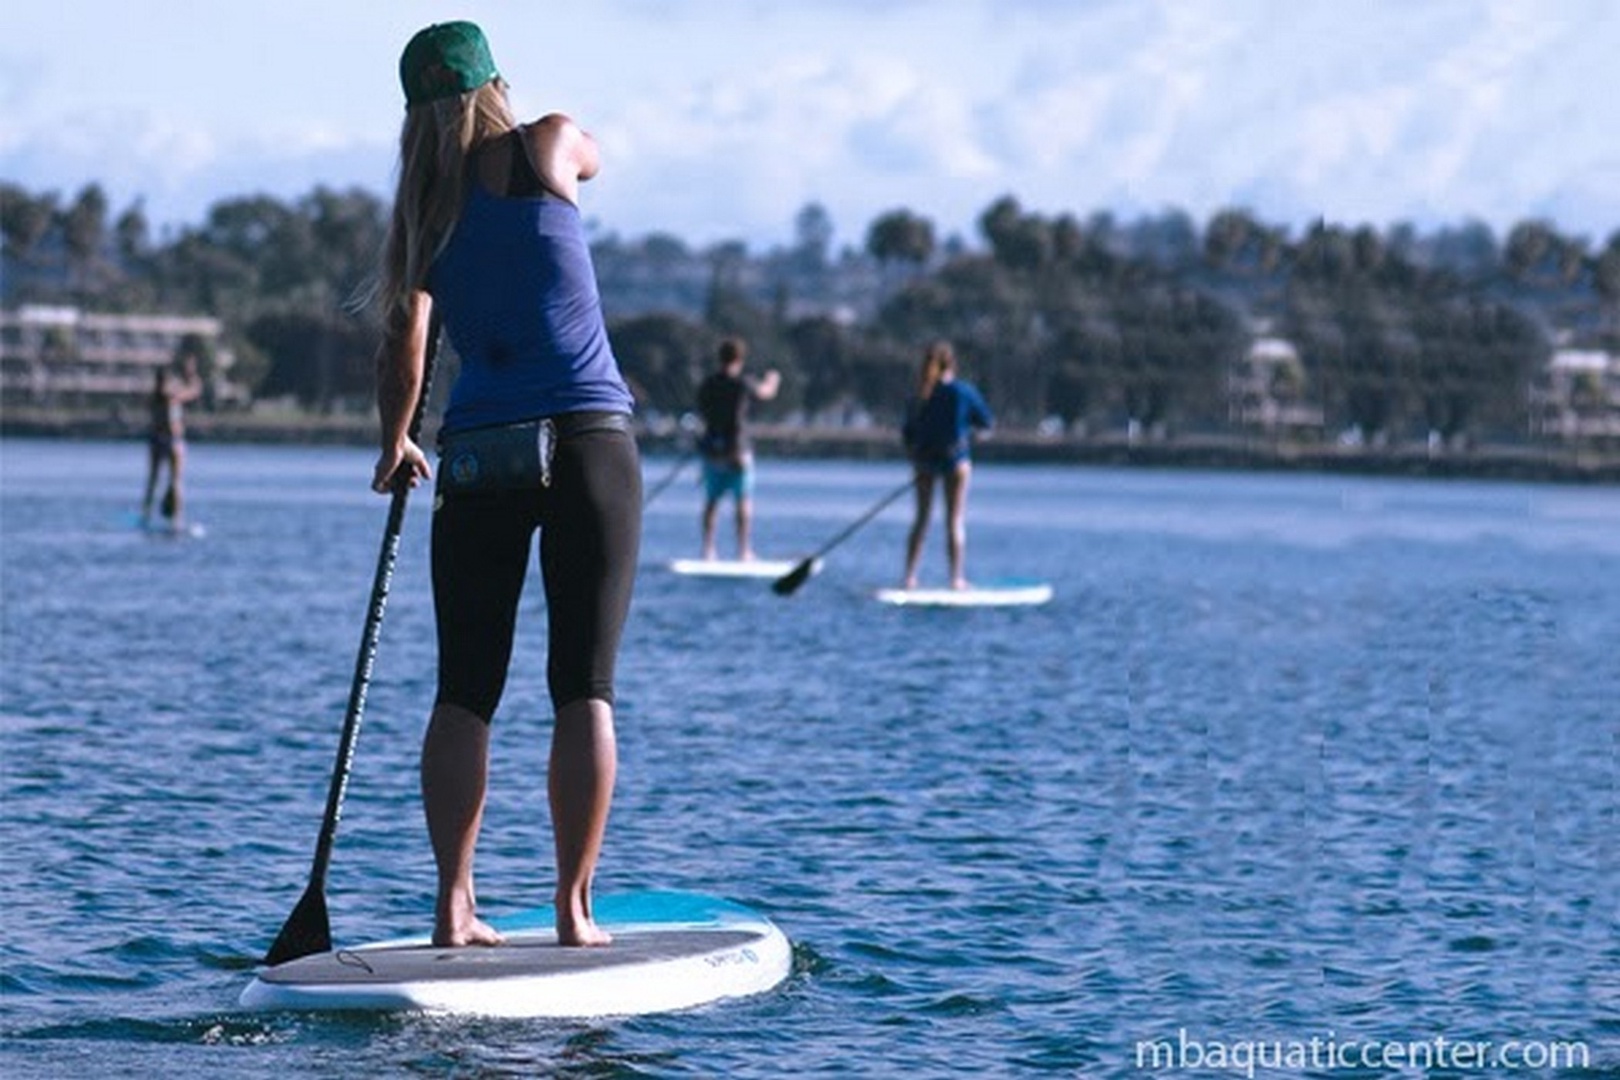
[[1052, 126], [758, 144], [721, 121], [1339, 132]]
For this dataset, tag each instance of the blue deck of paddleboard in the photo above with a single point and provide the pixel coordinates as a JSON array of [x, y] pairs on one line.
[[646, 908]]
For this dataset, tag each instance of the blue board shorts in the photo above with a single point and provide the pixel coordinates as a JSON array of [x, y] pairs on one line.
[[722, 478]]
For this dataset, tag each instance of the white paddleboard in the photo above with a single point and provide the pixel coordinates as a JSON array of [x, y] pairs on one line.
[[162, 527], [670, 950], [994, 594], [733, 568]]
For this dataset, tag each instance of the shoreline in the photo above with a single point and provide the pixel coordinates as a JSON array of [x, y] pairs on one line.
[[1237, 453]]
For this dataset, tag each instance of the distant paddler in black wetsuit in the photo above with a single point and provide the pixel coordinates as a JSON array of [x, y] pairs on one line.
[[166, 436], [728, 458]]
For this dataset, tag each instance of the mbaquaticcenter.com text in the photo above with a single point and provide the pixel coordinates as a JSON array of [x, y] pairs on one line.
[[1325, 1053]]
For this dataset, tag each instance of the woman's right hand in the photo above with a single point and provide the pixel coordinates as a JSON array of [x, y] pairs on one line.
[[407, 456]]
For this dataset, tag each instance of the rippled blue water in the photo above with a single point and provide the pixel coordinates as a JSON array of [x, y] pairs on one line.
[[1287, 757]]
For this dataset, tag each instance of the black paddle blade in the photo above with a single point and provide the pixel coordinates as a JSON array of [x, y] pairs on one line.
[[307, 930], [789, 583]]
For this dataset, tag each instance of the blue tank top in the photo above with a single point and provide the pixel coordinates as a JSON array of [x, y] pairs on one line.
[[517, 292]]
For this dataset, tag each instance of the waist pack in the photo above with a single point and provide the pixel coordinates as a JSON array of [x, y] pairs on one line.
[[513, 457]]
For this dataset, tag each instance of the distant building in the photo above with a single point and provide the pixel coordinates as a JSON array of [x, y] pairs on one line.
[[1577, 397], [1266, 391], [64, 357]]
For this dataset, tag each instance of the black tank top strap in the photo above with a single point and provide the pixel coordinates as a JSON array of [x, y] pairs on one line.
[[521, 179]]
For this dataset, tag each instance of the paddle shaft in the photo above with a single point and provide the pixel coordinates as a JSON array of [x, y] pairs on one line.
[[854, 526], [669, 478], [790, 581], [365, 661], [308, 929]]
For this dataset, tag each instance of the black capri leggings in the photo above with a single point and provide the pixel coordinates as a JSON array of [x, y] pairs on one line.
[[589, 519]]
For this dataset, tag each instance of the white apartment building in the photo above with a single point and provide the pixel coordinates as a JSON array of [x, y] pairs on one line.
[[1577, 397], [61, 356]]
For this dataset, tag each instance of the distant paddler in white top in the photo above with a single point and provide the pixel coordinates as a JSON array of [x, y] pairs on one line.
[[728, 457], [174, 386], [941, 421]]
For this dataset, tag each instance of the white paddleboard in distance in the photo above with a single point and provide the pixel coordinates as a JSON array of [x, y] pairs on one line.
[[166, 528], [733, 568], [189, 530], [992, 594], [670, 950]]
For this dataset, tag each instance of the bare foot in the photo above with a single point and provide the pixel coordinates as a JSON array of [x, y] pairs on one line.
[[910, 583], [471, 931], [575, 926], [960, 583], [583, 934]]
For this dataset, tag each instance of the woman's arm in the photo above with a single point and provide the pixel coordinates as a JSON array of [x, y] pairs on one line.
[[979, 414], [400, 364], [190, 388], [563, 154]]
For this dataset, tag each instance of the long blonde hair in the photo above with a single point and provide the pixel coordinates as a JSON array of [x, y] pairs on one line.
[[435, 147], [938, 362]]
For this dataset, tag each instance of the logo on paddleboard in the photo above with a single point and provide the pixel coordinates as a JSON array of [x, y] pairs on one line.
[[732, 958]]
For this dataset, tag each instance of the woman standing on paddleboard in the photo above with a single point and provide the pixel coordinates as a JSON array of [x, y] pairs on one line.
[[166, 433], [486, 234], [940, 422]]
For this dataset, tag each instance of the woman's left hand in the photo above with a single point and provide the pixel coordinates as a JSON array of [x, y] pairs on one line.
[[407, 456]]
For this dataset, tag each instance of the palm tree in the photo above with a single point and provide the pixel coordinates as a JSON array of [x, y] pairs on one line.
[[84, 231]]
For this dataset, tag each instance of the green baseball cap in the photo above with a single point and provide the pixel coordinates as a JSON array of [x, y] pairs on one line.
[[444, 60]]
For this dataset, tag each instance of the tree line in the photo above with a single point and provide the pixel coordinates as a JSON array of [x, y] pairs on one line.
[[1088, 323]]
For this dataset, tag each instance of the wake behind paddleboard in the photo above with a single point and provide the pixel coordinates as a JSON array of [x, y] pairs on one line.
[[732, 568], [995, 594], [670, 950]]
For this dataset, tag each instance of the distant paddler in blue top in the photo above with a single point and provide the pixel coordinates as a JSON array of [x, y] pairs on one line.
[[941, 421], [487, 234]]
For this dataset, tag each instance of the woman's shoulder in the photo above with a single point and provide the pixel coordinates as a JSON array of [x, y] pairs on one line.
[[552, 122], [548, 130], [562, 151]]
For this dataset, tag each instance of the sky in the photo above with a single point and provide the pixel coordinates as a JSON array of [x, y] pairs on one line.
[[721, 119]]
